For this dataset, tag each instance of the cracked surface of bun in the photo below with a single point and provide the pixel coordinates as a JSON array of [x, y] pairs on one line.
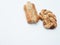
[[31, 13], [48, 18]]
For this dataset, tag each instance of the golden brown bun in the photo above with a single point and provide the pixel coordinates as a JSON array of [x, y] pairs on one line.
[[48, 18], [31, 13]]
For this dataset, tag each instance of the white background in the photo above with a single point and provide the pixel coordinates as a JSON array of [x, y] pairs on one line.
[[14, 29]]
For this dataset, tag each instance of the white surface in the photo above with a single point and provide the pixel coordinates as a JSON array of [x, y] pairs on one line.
[[14, 29]]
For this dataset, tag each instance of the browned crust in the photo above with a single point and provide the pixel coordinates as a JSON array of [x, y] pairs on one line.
[[48, 18], [31, 14]]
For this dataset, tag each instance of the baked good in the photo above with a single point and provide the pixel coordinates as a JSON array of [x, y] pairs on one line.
[[31, 13], [48, 18]]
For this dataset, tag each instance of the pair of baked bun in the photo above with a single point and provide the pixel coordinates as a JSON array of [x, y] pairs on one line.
[[48, 18]]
